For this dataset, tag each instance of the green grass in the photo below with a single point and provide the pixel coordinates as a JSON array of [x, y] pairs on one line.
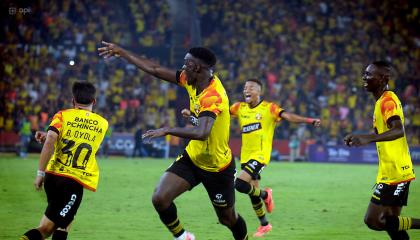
[[313, 201]]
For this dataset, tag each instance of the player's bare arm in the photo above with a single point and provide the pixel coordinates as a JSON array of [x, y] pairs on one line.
[[199, 132], [151, 67], [291, 117], [396, 131], [46, 154]]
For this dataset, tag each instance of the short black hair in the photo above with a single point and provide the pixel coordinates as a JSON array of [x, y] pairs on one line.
[[204, 55], [83, 92], [383, 65], [255, 81]]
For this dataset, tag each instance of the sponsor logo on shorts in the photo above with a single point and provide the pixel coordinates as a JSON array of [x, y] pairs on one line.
[[400, 188], [253, 164], [68, 206], [219, 199], [378, 189]]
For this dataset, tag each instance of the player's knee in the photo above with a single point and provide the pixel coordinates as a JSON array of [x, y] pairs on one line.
[[227, 221], [160, 201], [46, 230], [373, 223], [242, 186], [227, 217]]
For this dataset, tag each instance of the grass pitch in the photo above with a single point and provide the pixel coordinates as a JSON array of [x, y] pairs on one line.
[[313, 201]]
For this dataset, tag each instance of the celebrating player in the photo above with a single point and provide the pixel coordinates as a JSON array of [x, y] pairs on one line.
[[67, 163], [207, 159], [395, 166], [257, 119]]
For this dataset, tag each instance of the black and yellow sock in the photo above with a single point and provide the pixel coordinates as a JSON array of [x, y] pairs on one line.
[[398, 235], [257, 204], [33, 234], [59, 235], [254, 192], [398, 223], [170, 218], [239, 230], [245, 187]]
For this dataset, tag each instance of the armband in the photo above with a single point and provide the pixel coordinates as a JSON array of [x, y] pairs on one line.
[[310, 120], [40, 173]]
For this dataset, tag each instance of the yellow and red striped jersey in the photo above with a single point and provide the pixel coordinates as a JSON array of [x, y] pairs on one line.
[[395, 164], [212, 154], [80, 134]]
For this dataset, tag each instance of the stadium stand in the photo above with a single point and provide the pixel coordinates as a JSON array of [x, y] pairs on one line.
[[308, 54]]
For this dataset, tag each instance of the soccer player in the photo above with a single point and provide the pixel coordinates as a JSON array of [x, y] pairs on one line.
[[257, 119], [395, 166], [207, 158], [67, 163]]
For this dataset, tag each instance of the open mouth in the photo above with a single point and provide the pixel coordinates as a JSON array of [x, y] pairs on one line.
[[247, 97]]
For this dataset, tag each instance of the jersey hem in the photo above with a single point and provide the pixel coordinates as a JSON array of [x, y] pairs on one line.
[[73, 178], [395, 183]]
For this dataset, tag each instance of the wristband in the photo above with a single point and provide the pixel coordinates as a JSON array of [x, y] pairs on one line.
[[40, 173], [310, 120]]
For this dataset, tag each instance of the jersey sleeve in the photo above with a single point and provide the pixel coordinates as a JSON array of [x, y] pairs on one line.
[[56, 123], [234, 109], [181, 78], [276, 111], [211, 102], [388, 108]]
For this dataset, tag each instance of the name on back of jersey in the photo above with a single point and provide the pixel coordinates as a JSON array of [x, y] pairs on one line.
[[251, 127]]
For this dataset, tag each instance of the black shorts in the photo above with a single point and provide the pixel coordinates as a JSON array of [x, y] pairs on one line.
[[64, 196], [219, 185], [391, 195], [253, 168]]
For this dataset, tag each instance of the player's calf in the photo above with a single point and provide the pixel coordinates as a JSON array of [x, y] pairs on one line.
[[239, 230], [242, 186], [33, 234], [59, 235], [398, 223], [398, 235], [246, 188]]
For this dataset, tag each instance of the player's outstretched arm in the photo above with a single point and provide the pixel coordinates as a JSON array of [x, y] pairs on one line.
[[46, 154], [199, 132], [151, 67], [396, 131], [291, 117]]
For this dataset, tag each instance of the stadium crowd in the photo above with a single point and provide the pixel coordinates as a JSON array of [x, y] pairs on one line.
[[309, 54]]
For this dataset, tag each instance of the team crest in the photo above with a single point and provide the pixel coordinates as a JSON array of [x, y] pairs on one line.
[[196, 108], [258, 116], [87, 114]]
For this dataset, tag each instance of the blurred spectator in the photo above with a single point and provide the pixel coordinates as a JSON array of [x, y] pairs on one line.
[[24, 137], [293, 148], [139, 148], [106, 142]]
